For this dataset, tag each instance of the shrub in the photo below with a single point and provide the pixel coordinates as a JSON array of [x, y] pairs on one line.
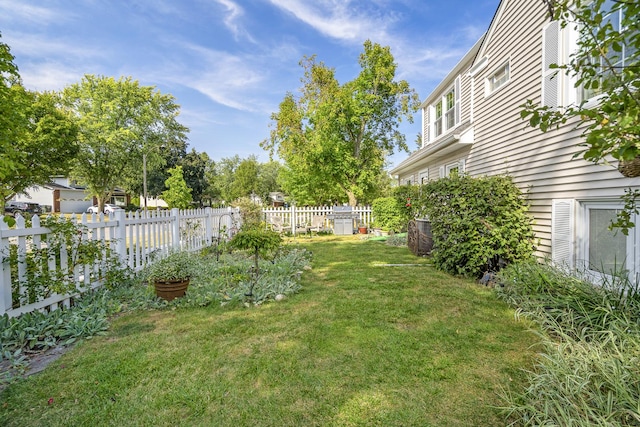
[[389, 214], [478, 224], [250, 211], [559, 300]]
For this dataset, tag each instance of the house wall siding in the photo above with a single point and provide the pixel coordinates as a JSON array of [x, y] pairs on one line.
[[543, 165]]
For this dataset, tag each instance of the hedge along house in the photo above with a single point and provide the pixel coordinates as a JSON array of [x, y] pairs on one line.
[[471, 123]]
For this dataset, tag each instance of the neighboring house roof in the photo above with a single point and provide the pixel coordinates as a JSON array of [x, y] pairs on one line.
[[55, 186]]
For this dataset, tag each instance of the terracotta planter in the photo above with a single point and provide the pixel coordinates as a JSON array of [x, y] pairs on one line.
[[171, 289], [362, 230]]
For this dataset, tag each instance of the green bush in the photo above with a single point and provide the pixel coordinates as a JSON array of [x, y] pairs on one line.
[[389, 214], [250, 211], [478, 224]]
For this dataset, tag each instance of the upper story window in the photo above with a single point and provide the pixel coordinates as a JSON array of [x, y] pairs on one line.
[[561, 45], [617, 59], [442, 115], [437, 123], [498, 79], [450, 115]]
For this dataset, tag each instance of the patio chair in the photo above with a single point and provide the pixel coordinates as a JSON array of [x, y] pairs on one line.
[[317, 223], [277, 224]]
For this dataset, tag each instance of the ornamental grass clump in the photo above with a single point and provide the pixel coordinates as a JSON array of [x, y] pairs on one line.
[[588, 372]]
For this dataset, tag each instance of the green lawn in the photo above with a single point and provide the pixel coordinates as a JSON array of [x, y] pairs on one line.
[[363, 344]]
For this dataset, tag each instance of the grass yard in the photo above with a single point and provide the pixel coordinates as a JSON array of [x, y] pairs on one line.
[[362, 344]]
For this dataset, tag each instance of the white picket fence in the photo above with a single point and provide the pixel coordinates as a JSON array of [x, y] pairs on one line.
[[134, 236], [297, 217]]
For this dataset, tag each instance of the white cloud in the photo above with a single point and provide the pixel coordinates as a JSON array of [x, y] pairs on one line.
[[40, 15], [42, 46], [336, 19], [49, 76], [234, 12], [226, 79], [46, 63]]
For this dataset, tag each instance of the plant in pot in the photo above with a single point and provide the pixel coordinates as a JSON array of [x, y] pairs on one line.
[[171, 275], [363, 228]]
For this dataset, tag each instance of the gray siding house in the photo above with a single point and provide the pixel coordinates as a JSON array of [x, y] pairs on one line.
[[471, 123]]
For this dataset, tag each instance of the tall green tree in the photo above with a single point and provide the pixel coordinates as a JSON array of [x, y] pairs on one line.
[[245, 182], [224, 176], [194, 166], [177, 194], [159, 160], [37, 139], [268, 178], [119, 121], [606, 68], [211, 195], [337, 137]]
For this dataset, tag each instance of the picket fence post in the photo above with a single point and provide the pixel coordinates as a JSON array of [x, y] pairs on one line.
[[121, 236], [175, 222], [5, 292]]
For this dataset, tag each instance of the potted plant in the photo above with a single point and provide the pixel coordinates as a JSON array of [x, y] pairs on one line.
[[171, 275], [363, 228]]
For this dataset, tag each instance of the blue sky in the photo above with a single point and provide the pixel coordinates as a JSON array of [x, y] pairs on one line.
[[229, 63]]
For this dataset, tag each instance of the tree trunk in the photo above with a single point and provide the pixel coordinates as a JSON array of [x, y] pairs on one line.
[[352, 199]]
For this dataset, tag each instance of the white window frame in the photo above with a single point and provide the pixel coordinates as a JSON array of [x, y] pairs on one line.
[[424, 177], [582, 232], [498, 79], [436, 127], [445, 171], [558, 88]]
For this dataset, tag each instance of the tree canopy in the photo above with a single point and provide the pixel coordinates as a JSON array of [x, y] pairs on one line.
[[37, 139], [234, 178], [178, 194], [119, 121], [334, 138]]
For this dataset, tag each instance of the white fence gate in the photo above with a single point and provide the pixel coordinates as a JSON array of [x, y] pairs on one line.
[[134, 236]]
